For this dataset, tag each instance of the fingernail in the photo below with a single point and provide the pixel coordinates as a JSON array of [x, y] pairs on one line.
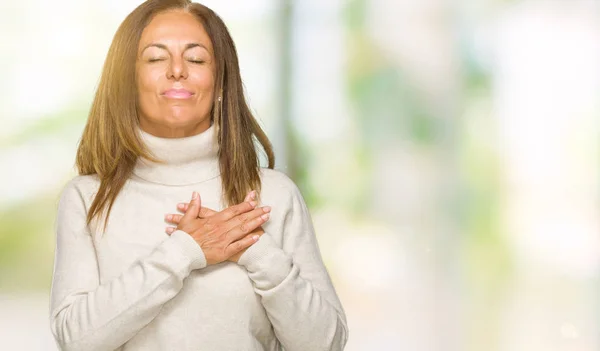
[[267, 209], [179, 205], [265, 216], [253, 203], [255, 237], [194, 195], [253, 194], [169, 230], [168, 217]]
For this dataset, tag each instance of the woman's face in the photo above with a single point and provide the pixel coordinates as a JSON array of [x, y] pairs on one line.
[[175, 76]]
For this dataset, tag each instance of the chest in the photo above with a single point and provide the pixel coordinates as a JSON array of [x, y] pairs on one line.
[[137, 225]]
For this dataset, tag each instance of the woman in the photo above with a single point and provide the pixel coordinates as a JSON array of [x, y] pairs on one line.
[[169, 120]]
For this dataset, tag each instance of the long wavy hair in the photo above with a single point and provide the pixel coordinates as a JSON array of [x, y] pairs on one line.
[[110, 145]]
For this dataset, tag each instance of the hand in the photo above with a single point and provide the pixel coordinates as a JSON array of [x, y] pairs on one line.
[[222, 235], [207, 212]]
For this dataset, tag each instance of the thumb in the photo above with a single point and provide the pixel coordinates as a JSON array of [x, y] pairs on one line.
[[194, 207]]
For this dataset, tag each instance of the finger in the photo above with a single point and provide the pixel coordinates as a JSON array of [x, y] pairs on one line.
[[247, 227], [251, 196], [239, 245], [173, 218], [182, 207], [206, 212], [170, 230], [245, 217], [193, 208], [236, 210]]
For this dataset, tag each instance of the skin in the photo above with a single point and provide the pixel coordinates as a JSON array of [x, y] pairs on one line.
[[206, 212], [225, 235], [175, 52]]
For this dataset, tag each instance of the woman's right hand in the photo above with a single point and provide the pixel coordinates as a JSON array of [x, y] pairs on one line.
[[225, 233]]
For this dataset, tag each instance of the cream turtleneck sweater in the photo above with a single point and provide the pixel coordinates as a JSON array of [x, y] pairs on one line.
[[133, 287]]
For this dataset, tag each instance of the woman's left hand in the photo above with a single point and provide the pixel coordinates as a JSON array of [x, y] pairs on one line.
[[207, 212]]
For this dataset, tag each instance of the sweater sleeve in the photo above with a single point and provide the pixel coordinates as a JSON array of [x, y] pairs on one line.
[[294, 285], [87, 315]]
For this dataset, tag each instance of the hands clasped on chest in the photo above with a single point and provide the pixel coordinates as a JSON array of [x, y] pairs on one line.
[[224, 235]]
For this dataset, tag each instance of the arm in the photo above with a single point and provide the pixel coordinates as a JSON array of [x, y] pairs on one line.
[[85, 315], [294, 285]]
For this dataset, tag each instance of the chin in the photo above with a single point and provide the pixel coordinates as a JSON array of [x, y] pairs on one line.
[[185, 121]]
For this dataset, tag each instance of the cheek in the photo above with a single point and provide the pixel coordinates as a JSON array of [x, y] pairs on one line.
[[203, 80], [147, 80]]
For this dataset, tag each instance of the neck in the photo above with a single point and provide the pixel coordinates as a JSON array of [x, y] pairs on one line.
[[163, 131], [184, 161]]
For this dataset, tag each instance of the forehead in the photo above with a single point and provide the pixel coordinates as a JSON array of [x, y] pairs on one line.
[[175, 27]]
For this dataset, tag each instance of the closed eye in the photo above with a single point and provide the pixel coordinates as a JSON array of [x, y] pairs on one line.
[[162, 59]]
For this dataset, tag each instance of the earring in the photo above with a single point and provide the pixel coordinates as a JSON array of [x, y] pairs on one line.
[[219, 99]]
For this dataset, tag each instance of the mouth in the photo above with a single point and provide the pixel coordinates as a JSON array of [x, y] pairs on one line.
[[179, 94]]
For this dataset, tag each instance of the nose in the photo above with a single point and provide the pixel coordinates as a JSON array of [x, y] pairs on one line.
[[177, 69]]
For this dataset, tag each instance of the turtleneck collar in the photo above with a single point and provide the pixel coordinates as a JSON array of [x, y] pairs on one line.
[[187, 160]]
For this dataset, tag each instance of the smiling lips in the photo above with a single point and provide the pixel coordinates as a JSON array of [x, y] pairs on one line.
[[177, 94]]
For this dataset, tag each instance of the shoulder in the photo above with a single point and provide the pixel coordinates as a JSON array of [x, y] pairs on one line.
[[83, 183], [277, 187], [277, 180], [82, 187]]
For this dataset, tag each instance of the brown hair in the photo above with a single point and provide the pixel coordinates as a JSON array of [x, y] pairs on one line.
[[110, 145]]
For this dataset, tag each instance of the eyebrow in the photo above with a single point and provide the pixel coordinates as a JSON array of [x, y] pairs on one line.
[[164, 47]]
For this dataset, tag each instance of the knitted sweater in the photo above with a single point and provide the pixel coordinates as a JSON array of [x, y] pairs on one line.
[[133, 287]]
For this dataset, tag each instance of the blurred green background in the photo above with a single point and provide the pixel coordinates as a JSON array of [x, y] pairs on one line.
[[448, 151]]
